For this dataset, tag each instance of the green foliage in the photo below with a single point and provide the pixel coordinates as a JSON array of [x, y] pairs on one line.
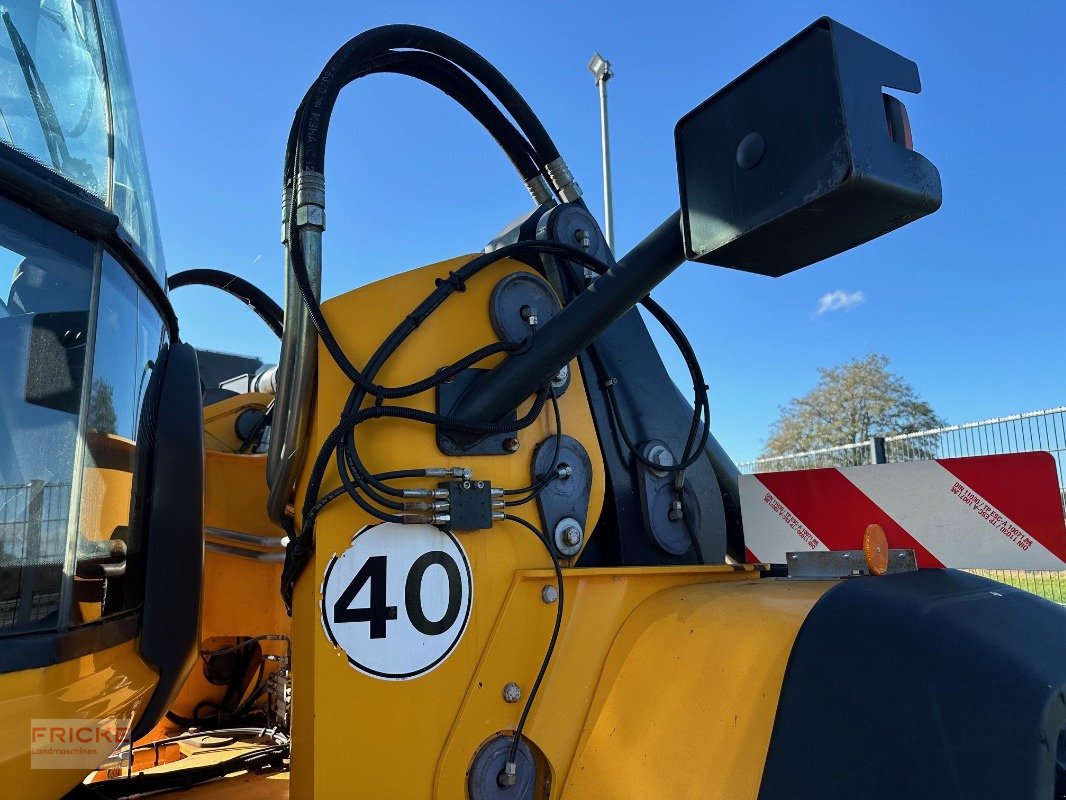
[[851, 403], [102, 417]]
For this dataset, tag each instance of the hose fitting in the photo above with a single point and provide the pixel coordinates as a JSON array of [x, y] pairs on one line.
[[539, 190], [562, 180], [311, 200]]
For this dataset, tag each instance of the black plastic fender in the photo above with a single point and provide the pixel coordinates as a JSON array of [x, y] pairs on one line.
[[935, 683]]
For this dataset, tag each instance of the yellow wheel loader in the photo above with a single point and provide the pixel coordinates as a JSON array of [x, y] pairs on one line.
[[467, 540]]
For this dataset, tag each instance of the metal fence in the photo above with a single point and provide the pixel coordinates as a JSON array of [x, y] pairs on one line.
[[33, 541], [1018, 433]]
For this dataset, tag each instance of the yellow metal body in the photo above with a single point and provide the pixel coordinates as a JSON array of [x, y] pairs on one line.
[[241, 595], [220, 421], [665, 681], [113, 683]]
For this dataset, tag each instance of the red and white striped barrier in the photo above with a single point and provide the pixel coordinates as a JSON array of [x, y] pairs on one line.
[[984, 512]]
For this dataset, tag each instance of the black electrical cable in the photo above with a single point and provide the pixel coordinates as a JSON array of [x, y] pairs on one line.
[[428, 417], [543, 481], [302, 547], [306, 153], [413, 320], [701, 409], [422, 312], [364, 386], [551, 642]]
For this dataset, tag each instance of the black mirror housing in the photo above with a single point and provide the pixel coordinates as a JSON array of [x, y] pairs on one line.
[[803, 156]]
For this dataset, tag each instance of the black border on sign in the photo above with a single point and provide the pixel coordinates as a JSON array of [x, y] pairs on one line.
[[390, 675]]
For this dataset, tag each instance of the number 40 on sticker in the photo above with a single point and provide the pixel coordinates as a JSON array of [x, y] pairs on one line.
[[397, 600]]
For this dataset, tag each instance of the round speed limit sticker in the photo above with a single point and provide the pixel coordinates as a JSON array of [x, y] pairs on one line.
[[398, 599]]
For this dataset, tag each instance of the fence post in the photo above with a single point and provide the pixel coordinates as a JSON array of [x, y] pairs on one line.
[[877, 450], [28, 576]]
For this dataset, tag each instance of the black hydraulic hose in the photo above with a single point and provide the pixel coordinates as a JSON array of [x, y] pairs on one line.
[[322, 96], [456, 84], [248, 293], [448, 78]]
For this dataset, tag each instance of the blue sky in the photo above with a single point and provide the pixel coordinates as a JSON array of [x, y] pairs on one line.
[[968, 303]]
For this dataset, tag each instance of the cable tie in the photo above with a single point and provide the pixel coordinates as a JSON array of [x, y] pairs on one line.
[[455, 281]]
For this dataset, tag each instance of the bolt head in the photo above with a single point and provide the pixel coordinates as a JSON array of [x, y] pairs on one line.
[[511, 445], [512, 693], [571, 536], [549, 594]]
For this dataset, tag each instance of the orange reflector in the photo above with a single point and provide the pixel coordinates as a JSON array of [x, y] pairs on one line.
[[875, 548]]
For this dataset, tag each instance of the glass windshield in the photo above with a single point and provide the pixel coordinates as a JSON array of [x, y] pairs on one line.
[[72, 423], [44, 319], [58, 61], [132, 197], [52, 101]]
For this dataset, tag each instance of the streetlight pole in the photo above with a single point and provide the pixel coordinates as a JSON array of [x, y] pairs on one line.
[[601, 69]]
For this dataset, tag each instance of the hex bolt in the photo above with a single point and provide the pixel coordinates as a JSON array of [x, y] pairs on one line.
[[512, 693], [662, 457], [549, 594], [568, 537], [511, 445], [480, 484], [581, 236]]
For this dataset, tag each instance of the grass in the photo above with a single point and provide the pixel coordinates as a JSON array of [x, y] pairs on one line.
[[1050, 585]]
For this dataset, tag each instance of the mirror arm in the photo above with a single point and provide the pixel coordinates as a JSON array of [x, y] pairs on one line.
[[565, 335]]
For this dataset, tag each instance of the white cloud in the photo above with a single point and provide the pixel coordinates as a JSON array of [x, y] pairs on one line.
[[834, 301]]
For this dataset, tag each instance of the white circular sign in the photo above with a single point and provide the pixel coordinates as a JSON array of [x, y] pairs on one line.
[[398, 599]]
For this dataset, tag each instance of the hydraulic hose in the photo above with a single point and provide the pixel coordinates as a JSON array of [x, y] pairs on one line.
[[249, 294], [444, 75], [442, 64], [322, 96], [456, 84]]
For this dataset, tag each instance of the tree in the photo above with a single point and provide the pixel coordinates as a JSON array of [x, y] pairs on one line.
[[851, 403], [102, 417]]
